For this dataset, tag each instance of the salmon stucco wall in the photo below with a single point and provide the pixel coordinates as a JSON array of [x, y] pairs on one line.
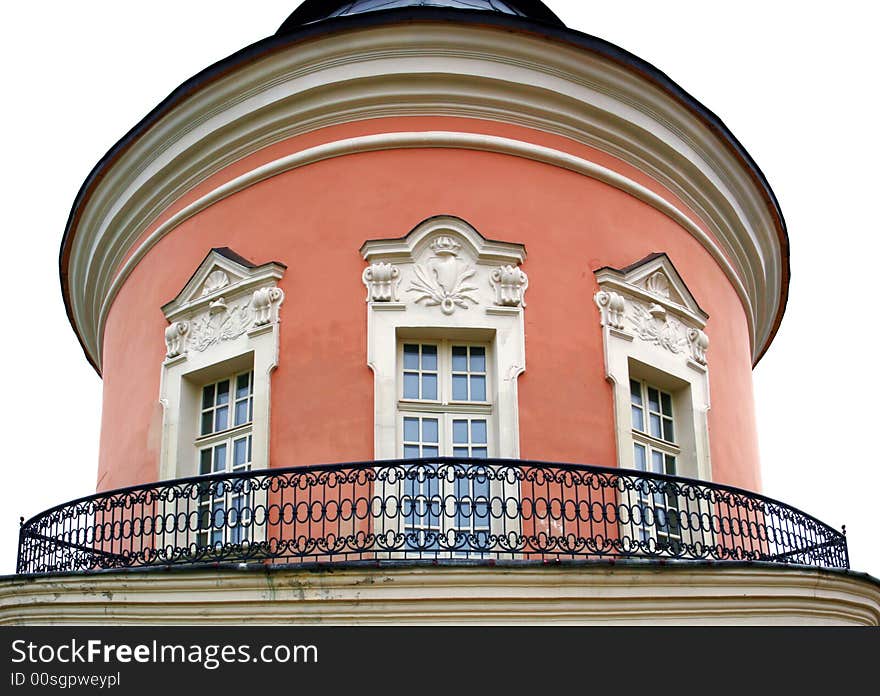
[[315, 218]]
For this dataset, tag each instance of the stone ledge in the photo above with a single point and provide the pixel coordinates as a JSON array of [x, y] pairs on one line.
[[630, 592]]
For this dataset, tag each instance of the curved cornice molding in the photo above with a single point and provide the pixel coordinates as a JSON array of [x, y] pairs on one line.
[[423, 70]]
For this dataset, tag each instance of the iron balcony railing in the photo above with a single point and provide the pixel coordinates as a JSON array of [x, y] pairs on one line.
[[423, 509]]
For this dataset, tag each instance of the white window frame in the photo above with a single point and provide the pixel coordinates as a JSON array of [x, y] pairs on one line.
[[255, 347]]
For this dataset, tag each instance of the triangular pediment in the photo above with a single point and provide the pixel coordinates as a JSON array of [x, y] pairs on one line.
[[655, 279], [222, 273]]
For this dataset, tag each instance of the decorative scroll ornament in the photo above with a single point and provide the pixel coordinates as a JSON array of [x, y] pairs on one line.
[[443, 280], [611, 308], [510, 285], [212, 328], [216, 280], [699, 343], [175, 339], [381, 280], [263, 301], [654, 326]]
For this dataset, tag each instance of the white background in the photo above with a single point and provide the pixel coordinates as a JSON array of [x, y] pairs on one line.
[[795, 82]]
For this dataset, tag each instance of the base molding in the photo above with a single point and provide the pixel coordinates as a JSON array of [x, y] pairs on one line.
[[629, 593]]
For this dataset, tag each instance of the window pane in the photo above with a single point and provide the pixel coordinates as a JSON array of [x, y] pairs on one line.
[[460, 432], [205, 461], [207, 422], [478, 388], [480, 452], [220, 458], [668, 432], [243, 386], [430, 452], [241, 412], [429, 387], [411, 429], [478, 359], [640, 462], [429, 358], [670, 465], [410, 385], [638, 418], [478, 432], [239, 452], [459, 359], [656, 462], [655, 425], [221, 418], [208, 396], [430, 430], [635, 391], [411, 357], [459, 388], [460, 452], [667, 404], [411, 451], [223, 392], [653, 400]]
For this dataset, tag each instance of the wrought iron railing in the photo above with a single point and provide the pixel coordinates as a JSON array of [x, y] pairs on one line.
[[423, 509]]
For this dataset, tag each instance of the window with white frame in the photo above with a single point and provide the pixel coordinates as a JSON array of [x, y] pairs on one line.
[[445, 408], [225, 445], [655, 450]]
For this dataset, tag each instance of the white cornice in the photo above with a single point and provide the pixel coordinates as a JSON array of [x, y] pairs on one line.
[[428, 70], [623, 593]]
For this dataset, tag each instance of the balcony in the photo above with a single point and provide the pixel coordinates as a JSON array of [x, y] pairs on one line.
[[422, 509]]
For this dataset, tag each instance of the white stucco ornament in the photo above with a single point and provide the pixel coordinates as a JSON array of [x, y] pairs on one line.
[[611, 308], [444, 280], [175, 339], [381, 280], [510, 284], [263, 301]]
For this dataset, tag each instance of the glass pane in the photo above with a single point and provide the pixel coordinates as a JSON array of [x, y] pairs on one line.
[[667, 404], [668, 432], [670, 465], [478, 388], [410, 385], [459, 388], [638, 418], [478, 359], [410, 357], [208, 396], [459, 359], [480, 452], [207, 422], [656, 462], [241, 412], [430, 430], [221, 418], [411, 451], [429, 387], [478, 432], [205, 461], [243, 386], [239, 452], [460, 432], [460, 452], [653, 400], [223, 392], [411, 429], [220, 458], [655, 425], [640, 462], [429, 358], [430, 452], [635, 391]]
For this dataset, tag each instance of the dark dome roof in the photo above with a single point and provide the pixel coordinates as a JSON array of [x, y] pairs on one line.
[[316, 10]]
